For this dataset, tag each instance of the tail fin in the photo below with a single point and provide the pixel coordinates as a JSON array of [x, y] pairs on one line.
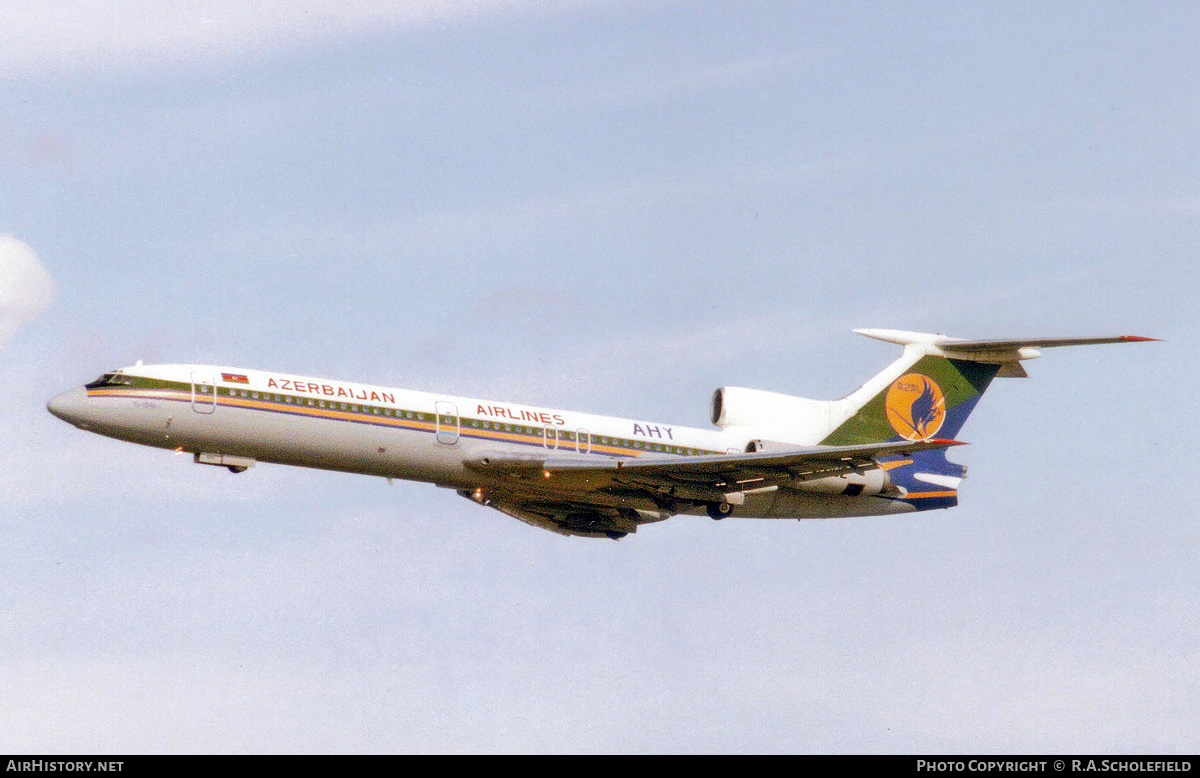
[[933, 387], [929, 392]]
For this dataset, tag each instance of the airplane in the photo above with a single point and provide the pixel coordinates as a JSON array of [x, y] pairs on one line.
[[879, 450]]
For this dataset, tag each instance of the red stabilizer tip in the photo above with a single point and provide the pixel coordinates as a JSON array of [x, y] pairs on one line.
[[1137, 339], [948, 442]]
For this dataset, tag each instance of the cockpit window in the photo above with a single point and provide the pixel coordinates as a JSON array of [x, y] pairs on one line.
[[111, 379]]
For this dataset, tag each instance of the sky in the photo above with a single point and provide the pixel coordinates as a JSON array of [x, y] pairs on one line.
[[613, 207]]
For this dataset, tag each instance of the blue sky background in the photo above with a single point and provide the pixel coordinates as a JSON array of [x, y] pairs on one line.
[[613, 207]]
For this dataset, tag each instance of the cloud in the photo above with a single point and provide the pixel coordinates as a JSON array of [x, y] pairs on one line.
[[71, 35], [25, 286]]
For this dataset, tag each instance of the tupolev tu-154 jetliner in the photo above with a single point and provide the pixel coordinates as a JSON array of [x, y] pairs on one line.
[[879, 450]]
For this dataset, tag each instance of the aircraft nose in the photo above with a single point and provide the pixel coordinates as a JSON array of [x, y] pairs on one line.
[[69, 406]]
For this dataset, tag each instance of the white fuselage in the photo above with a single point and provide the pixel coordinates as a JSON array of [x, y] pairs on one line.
[[236, 416]]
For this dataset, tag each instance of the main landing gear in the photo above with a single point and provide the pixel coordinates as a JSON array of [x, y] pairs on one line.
[[719, 510]]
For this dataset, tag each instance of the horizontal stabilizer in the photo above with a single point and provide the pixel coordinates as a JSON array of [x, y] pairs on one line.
[[952, 345], [1006, 352]]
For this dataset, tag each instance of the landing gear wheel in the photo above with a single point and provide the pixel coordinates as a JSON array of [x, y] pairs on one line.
[[719, 510], [236, 468]]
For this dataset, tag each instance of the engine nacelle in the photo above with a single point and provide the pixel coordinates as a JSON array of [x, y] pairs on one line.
[[874, 481], [734, 406]]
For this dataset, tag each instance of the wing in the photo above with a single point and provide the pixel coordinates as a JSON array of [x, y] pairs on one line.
[[611, 497]]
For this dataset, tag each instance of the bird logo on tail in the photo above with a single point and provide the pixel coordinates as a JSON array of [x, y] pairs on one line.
[[915, 406]]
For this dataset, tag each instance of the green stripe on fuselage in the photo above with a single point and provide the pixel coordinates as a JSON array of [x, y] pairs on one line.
[[248, 398]]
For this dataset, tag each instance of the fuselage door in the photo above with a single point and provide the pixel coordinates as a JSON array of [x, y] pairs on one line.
[[204, 392], [583, 441], [447, 422]]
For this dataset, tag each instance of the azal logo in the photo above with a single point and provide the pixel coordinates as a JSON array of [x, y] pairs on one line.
[[915, 406]]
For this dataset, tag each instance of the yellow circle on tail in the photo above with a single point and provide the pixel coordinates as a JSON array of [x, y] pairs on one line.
[[915, 406]]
